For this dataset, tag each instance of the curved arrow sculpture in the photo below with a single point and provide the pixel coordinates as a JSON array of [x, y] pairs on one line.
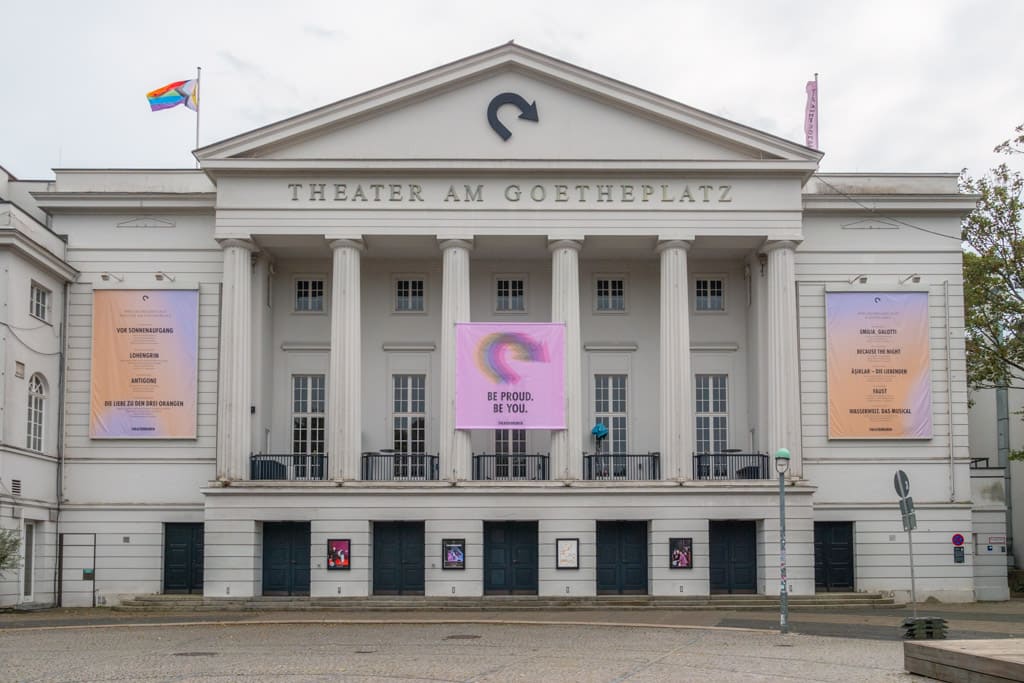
[[527, 111]]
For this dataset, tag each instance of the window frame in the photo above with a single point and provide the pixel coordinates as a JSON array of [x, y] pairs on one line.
[[711, 414], [409, 467], [47, 304], [510, 453], [610, 415], [311, 416], [511, 277], [625, 294], [711, 277], [399, 277], [311, 277], [35, 418]]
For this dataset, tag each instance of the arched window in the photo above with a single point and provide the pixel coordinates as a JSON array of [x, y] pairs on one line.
[[36, 405]]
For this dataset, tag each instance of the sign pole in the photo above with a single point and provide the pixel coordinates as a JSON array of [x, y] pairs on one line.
[[913, 585]]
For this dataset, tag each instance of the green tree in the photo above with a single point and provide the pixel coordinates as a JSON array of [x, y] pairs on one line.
[[994, 275], [10, 549]]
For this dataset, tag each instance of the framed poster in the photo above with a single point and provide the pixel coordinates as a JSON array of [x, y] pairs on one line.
[[339, 553], [567, 553], [680, 553], [453, 553]]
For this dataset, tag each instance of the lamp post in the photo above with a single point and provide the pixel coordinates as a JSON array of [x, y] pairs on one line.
[[782, 466]]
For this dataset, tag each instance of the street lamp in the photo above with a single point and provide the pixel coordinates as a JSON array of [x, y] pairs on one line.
[[781, 466]]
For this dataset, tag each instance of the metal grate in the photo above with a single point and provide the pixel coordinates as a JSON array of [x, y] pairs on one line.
[[16, 487]]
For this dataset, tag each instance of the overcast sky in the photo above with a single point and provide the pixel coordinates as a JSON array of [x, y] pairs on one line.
[[905, 86]]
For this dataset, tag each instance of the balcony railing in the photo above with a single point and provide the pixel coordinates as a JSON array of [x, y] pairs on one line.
[[267, 467], [625, 467], [731, 466], [386, 466], [500, 467]]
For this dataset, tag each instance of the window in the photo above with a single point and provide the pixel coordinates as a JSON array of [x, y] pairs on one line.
[[308, 414], [510, 442], [610, 294], [39, 306], [309, 295], [510, 294], [610, 410], [36, 412], [712, 414], [410, 295], [709, 294], [28, 567]]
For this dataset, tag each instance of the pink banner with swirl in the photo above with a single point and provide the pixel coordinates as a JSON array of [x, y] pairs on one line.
[[510, 376]]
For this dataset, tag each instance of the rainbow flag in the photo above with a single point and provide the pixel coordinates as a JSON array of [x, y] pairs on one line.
[[173, 94]]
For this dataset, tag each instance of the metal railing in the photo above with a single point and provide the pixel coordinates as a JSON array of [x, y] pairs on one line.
[[731, 466], [501, 467], [386, 466], [624, 467], [269, 467]]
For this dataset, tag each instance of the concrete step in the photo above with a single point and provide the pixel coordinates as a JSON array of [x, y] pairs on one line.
[[152, 603]]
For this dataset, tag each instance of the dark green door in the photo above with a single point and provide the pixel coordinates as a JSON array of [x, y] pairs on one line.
[[398, 558], [833, 556], [733, 557], [510, 558], [183, 558], [622, 558], [286, 558]]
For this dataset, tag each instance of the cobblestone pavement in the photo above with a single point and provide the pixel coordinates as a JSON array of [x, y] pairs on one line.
[[255, 652]]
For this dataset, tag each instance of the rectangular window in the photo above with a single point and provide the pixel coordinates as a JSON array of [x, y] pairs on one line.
[[509, 443], [609, 294], [709, 294], [712, 414], [309, 296], [410, 295], [510, 294], [39, 306], [610, 410], [409, 425], [308, 414], [28, 568]]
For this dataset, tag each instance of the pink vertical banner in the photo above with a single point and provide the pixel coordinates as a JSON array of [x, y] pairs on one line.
[[811, 114], [510, 376]]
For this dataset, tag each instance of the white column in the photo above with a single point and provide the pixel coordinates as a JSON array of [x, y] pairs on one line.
[[456, 449], [567, 444], [676, 396], [783, 355], [234, 378], [344, 384]]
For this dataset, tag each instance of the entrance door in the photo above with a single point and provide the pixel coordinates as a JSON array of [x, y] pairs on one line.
[[733, 557], [183, 558], [622, 558], [286, 558], [510, 558], [398, 558], [833, 556]]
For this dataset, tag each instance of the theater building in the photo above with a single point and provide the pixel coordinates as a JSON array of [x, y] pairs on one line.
[[263, 389]]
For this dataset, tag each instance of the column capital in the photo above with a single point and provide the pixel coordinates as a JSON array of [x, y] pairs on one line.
[[243, 243], [575, 245], [778, 244], [446, 244], [358, 245], [672, 244]]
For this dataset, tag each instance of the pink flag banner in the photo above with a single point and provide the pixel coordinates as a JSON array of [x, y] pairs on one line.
[[510, 376], [811, 114]]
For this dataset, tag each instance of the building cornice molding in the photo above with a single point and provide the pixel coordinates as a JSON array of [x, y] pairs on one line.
[[13, 239]]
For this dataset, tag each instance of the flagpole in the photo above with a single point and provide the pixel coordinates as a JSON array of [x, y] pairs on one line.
[[199, 106], [817, 109]]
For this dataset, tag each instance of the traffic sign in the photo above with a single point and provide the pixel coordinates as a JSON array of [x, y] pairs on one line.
[[902, 483], [958, 539], [909, 515]]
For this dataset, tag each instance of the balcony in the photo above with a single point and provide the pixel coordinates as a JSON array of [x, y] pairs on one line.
[[625, 467], [731, 466], [389, 466], [267, 467], [523, 467]]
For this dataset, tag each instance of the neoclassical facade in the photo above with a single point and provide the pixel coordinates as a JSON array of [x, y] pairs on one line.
[[331, 257]]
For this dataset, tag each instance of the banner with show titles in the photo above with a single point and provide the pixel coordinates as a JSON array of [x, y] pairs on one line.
[[510, 376], [879, 370], [144, 364]]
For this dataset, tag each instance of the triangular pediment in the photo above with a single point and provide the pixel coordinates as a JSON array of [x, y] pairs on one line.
[[460, 112]]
